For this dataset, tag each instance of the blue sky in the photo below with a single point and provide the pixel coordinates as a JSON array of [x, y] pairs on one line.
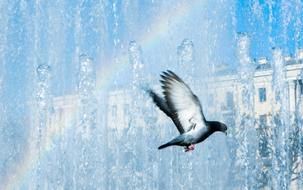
[[211, 25], [284, 27]]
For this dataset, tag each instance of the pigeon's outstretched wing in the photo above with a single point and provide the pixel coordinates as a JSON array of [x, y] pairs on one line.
[[161, 103], [183, 104]]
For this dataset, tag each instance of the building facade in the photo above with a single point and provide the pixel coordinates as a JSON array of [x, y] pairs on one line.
[[225, 96], [224, 99]]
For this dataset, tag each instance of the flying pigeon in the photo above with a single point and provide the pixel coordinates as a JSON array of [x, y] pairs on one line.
[[184, 108]]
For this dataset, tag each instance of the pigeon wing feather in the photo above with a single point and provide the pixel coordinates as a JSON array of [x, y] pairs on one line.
[[181, 101], [161, 103]]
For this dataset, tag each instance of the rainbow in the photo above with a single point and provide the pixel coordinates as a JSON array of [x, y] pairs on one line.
[[23, 170], [159, 29]]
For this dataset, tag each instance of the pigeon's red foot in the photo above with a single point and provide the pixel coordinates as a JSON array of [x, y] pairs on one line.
[[189, 148]]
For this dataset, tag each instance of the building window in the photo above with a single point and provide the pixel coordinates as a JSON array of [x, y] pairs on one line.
[[114, 110], [263, 120], [244, 96], [262, 94], [126, 109], [229, 100], [301, 86]]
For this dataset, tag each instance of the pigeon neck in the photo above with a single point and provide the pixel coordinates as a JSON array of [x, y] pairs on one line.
[[214, 125]]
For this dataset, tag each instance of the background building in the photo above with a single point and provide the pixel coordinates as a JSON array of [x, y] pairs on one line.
[[225, 97], [130, 114]]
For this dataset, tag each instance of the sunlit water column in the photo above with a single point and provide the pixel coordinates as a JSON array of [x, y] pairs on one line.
[[87, 126], [281, 120], [183, 163], [298, 4], [287, 18], [245, 116], [137, 119], [299, 120], [43, 98], [115, 34], [136, 60], [296, 137], [185, 53], [3, 40]]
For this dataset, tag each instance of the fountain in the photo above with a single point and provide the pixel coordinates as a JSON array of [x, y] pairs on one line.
[[73, 114], [243, 133], [44, 106], [87, 126], [280, 122]]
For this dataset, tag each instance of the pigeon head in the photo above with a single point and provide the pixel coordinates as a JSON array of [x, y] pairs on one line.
[[218, 126]]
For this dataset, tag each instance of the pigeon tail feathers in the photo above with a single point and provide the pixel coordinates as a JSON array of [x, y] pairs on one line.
[[176, 141], [164, 146]]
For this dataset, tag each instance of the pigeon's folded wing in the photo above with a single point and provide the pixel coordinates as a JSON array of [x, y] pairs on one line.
[[182, 102]]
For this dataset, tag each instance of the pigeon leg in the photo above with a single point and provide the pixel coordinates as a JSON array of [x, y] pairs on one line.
[[186, 149], [192, 147], [189, 148]]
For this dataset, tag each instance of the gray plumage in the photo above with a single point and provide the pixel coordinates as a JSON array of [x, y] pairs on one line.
[[184, 108]]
